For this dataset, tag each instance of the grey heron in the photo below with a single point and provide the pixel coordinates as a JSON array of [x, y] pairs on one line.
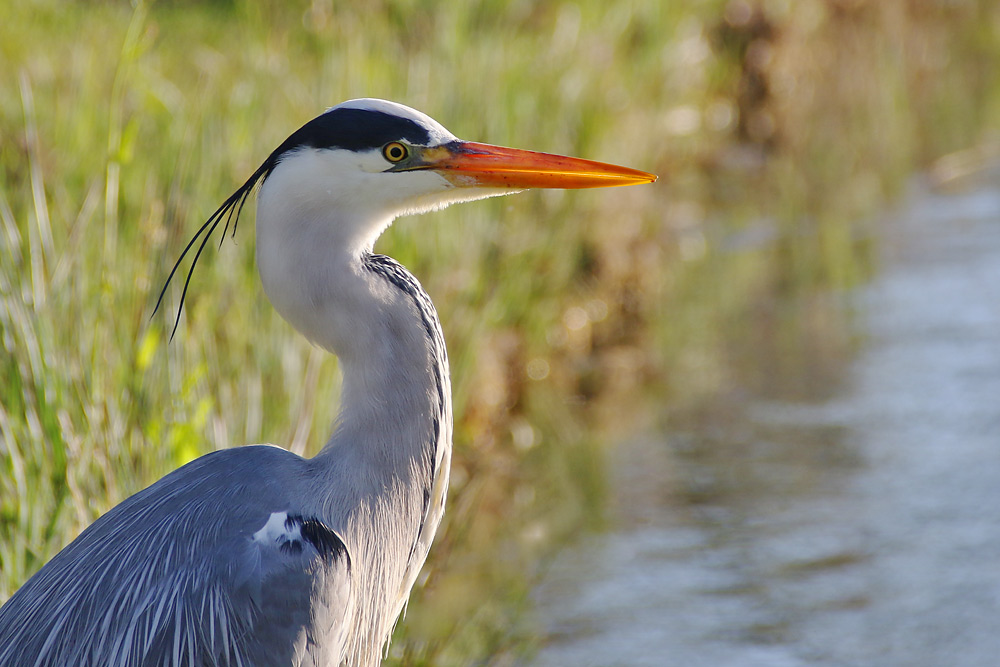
[[254, 555]]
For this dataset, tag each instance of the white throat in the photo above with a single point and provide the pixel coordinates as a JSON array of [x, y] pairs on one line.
[[319, 212], [313, 250]]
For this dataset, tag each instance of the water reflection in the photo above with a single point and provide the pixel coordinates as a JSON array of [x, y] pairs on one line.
[[773, 528]]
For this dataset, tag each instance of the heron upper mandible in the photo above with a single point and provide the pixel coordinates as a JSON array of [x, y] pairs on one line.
[[254, 555]]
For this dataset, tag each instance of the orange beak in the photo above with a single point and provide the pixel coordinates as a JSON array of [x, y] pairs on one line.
[[469, 164]]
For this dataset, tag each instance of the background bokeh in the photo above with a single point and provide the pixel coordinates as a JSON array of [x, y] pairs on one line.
[[573, 320]]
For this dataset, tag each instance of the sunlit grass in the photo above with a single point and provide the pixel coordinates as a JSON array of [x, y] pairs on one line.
[[121, 128]]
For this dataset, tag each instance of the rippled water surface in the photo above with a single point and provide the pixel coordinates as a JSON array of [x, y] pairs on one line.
[[859, 530]]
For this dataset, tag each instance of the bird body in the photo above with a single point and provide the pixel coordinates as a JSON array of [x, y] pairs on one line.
[[254, 555]]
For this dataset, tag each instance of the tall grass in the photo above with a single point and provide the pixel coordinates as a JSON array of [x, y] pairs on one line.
[[122, 127]]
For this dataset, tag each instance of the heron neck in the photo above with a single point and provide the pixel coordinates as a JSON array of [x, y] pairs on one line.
[[382, 476], [396, 398], [320, 274]]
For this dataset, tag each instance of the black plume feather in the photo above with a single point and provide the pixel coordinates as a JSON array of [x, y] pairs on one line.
[[230, 210]]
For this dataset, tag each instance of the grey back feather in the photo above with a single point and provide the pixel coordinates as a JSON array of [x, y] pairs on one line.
[[172, 576]]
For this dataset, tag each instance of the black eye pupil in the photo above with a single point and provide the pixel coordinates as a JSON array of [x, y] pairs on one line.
[[395, 152]]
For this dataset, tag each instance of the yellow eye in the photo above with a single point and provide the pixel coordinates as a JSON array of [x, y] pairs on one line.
[[394, 151]]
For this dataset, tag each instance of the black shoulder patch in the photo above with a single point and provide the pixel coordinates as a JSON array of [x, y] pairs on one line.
[[326, 541], [354, 130]]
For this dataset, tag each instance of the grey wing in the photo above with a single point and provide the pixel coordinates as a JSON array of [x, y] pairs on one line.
[[183, 573]]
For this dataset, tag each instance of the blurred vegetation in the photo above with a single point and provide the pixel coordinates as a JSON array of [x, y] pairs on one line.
[[776, 126]]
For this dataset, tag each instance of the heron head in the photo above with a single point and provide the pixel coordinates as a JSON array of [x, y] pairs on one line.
[[366, 161], [341, 178]]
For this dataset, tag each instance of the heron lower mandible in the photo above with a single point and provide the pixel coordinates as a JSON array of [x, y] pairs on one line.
[[256, 556]]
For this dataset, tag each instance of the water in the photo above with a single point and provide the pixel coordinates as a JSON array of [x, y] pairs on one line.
[[859, 530]]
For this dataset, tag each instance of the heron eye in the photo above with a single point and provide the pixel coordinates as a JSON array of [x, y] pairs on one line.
[[394, 151]]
